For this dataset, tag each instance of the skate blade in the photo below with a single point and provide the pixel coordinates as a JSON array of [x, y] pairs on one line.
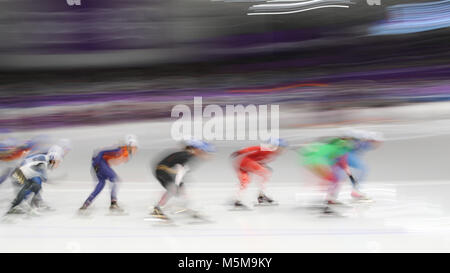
[[240, 209], [155, 219], [160, 221], [185, 211], [274, 204], [181, 211], [362, 201]]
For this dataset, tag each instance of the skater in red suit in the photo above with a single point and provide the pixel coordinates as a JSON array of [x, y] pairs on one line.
[[253, 160]]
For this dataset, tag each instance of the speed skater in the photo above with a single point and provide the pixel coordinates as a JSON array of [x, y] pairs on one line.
[[253, 160], [102, 171]]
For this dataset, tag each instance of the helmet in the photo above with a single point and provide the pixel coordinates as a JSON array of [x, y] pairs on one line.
[[273, 144], [351, 133], [278, 142], [55, 153], [362, 134], [131, 140], [375, 136], [200, 144]]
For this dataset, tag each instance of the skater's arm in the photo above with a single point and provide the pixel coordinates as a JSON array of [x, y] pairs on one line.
[[246, 151], [115, 156], [180, 173], [178, 168]]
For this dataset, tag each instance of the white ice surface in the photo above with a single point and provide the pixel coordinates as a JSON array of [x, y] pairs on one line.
[[409, 181]]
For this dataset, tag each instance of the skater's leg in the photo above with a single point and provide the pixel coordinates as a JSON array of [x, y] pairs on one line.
[[97, 190], [21, 194], [168, 182], [325, 172], [244, 180], [163, 200], [359, 173], [357, 164], [157, 211], [37, 200], [264, 175], [334, 177], [113, 193], [33, 185], [110, 175], [171, 191]]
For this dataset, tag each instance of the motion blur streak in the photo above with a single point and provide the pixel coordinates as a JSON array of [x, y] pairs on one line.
[[411, 18], [297, 11], [275, 89], [101, 79]]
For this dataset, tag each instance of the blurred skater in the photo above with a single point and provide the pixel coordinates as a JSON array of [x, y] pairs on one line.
[[253, 160], [32, 173], [101, 169], [363, 141], [327, 161], [171, 171], [62, 147], [11, 152]]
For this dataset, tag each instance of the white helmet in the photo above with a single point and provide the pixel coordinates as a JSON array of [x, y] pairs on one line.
[[131, 140], [56, 153], [375, 136], [277, 142], [362, 134], [350, 132]]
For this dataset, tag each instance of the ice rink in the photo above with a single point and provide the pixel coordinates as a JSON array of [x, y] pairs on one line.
[[409, 180]]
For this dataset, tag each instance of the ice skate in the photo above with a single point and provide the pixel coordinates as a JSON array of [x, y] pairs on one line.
[[264, 200], [23, 208], [115, 209], [328, 210], [182, 210], [332, 202], [84, 210], [158, 215], [360, 197], [238, 205], [17, 211]]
